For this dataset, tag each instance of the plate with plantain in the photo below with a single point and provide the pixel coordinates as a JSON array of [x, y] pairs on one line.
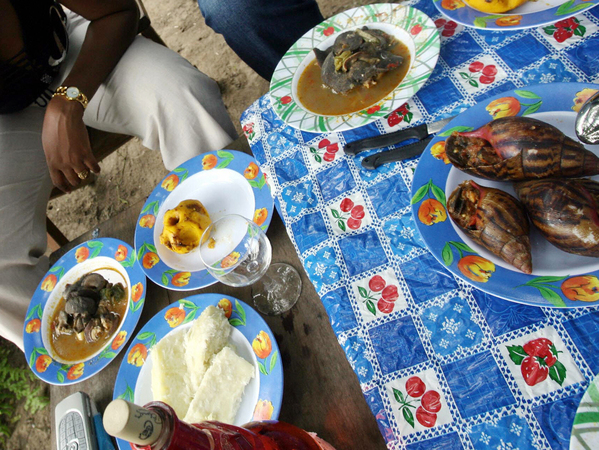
[[507, 198], [178, 211], [511, 14]]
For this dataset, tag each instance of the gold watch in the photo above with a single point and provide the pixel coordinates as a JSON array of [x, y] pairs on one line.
[[72, 93]]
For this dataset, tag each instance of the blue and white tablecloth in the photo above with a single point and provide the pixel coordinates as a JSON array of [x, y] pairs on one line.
[[441, 364]]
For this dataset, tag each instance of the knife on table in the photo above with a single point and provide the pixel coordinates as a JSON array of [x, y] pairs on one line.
[[385, 140], [404, 152]]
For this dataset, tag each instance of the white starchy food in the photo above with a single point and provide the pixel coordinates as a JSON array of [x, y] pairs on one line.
[[207, 336], [169, 373], [197, 373], [221, 389]]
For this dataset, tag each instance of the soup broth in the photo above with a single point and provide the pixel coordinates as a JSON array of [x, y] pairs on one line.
[[67, 346], [319, 99]]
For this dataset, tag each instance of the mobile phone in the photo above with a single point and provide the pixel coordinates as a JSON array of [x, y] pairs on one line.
[[75, 424]]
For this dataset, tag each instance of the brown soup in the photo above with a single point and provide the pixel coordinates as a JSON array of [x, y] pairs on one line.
[[68, 347], [316, 97]]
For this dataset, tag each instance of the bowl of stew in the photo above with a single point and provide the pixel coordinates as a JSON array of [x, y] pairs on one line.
[[314, 96], [296, 90], [73, 346]]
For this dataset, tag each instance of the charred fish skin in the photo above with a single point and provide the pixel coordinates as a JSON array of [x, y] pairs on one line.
[[357, 57], [494, 219], [520, 148], [565, 212]]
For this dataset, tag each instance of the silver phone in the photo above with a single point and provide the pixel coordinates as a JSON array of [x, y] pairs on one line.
[[75, 424]]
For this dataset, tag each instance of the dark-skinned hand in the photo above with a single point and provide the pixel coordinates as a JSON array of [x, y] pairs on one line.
[[66, 143]]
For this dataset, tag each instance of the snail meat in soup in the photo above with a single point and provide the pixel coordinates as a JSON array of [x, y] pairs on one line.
[[565, 212], [87, 316], [519, 148], [358, 70], [494, 219]]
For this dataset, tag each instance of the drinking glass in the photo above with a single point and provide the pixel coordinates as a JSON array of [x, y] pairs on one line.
[[237, 252]]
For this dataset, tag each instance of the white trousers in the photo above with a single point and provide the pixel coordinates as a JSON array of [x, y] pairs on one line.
[[154, 94]]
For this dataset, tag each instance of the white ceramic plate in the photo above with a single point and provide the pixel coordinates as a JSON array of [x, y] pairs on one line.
[[585, 431], [409, 25], [528, 15], [143, 388], [221, 192], [435, 180], [113, 259], [225, 182], [251, 336]]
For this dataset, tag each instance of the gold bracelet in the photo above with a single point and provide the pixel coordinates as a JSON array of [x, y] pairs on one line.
[[72, 93]]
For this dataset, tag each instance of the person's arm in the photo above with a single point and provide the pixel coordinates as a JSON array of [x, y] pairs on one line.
[[112, 28]]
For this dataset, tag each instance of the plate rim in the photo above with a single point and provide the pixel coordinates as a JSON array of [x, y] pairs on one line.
[[496, 284], [32, 341], [280, 88], [200, 302], [162, 274], [593, 385], [487, 21]]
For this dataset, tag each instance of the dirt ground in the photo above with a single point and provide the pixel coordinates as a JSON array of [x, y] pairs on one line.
[[182, 27]]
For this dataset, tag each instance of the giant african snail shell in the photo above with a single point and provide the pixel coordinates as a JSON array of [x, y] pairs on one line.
[[519, 148], [565, 211], [494, 219]]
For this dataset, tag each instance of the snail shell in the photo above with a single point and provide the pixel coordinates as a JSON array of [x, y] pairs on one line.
[[565, 211], [519, 148], [494, 219]]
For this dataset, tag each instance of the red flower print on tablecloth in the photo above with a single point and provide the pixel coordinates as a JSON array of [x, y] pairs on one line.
[[324, 151], [380, 295], [540, 363], [447, 28], [478, 72], [248, 130], [538, 359], [565, 29], [401, 114], [419, 403], [349, 216]]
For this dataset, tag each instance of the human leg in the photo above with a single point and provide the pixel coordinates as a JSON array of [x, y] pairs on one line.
[[261, 31], [157, 95], [24, 190]]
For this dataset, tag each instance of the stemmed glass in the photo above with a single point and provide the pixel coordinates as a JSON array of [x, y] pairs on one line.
[[237, 252]]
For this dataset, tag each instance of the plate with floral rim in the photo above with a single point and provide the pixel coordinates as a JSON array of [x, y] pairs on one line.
[[252, 338], [96, 255], [225, 182], [585, 430], [411, 26], [528, 15], [559, 279]]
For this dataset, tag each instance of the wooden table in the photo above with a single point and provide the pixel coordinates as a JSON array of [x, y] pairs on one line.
[[321, 391]]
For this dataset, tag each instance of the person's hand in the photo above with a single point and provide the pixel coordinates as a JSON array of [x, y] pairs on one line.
[[66, 144]]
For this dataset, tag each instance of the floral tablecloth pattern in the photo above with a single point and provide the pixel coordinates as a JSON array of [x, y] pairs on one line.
[[441, 364]]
